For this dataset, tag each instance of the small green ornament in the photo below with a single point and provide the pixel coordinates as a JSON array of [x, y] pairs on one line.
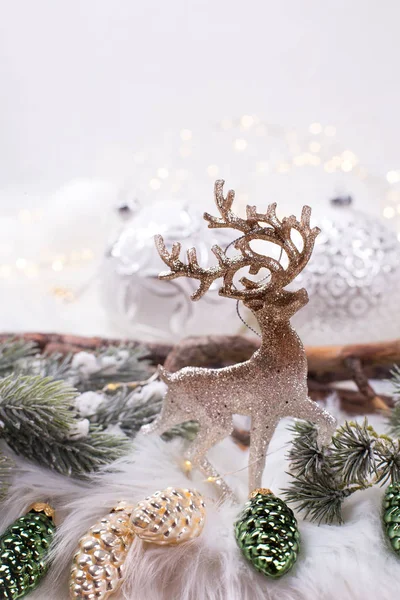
[[267, 534], [391, 515], [23, 549]]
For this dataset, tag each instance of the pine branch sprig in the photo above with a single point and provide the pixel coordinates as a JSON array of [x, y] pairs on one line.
[[39, 421], [387, 460], [14, 351], [110, 364], [320, 497], [130, 410], [305, 455], [352, 453]]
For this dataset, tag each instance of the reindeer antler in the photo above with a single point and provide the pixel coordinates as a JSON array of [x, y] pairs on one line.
[[277, 232]]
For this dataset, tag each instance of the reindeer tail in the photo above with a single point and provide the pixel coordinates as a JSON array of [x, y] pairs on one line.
[[165, 375]]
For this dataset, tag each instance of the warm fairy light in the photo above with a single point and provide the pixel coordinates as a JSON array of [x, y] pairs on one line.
[[349, 155], [186, 135], [388, 212], [32, 271], [314, 146], [5, 271], [57, 265], [188, 465], [329, 167], [162, 173], [155, 183], [299, 160], [240, 144], [63, 293], [21, 263], [315, 128], [212, 170], [25, 215], [247, 121], [226, 124], [283, 167], [393, 176], [346, 166], [87, 254], [330, 131], [262, 166]]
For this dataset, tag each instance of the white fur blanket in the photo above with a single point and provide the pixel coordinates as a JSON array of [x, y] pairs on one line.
[[348, 562]]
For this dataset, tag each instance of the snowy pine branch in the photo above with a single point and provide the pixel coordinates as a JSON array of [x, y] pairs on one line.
[[124, 363], [12, 352], [38, 420], [320, 497], [353, 452], [323, 477], [130, 410]]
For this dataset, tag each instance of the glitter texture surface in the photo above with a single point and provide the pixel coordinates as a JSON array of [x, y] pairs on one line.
[[272, 384]]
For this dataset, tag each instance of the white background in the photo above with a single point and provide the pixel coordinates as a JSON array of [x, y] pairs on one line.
[[83, 80], [79, 75]]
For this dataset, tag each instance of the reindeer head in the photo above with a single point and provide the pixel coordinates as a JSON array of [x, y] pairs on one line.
[[267, 297]]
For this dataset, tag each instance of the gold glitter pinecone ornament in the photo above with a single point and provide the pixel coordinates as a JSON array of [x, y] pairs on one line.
[[172, 516], [97, 568]]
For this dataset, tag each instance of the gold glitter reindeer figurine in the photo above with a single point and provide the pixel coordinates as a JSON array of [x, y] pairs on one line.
[[273, 383]]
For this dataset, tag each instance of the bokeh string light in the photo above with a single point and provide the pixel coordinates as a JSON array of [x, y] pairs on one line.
[[177, 173]]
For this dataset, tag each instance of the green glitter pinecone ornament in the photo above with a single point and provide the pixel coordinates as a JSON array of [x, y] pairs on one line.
[[23, 549], [267, 534], [391, 516]]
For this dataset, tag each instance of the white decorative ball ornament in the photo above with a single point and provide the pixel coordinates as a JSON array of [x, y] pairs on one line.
[[353, 280], [142, 306]]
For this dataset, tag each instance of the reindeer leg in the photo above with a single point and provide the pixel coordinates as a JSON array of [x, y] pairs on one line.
[[260, 437], [199, 447], [309, 410]]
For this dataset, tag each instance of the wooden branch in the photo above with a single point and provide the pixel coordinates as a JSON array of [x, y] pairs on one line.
[[327, 364]]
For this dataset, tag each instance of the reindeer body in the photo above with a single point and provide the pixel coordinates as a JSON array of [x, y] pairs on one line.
[[273, 383]]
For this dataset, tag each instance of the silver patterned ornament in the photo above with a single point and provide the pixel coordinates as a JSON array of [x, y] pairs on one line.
[[273, 383], [142, 306], [169, 517], [353, 280]]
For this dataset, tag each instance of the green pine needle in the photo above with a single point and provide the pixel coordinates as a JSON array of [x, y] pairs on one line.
[[130, 412], [13, 351], [352, 453], [305, 456], [38, 418], [387, 461], [319, 497], [122, 364]]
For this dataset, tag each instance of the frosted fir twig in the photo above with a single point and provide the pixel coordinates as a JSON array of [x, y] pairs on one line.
[[323, 477], [130, 410], [320, 497], [110, 364], [12, 352], [38, 421]]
